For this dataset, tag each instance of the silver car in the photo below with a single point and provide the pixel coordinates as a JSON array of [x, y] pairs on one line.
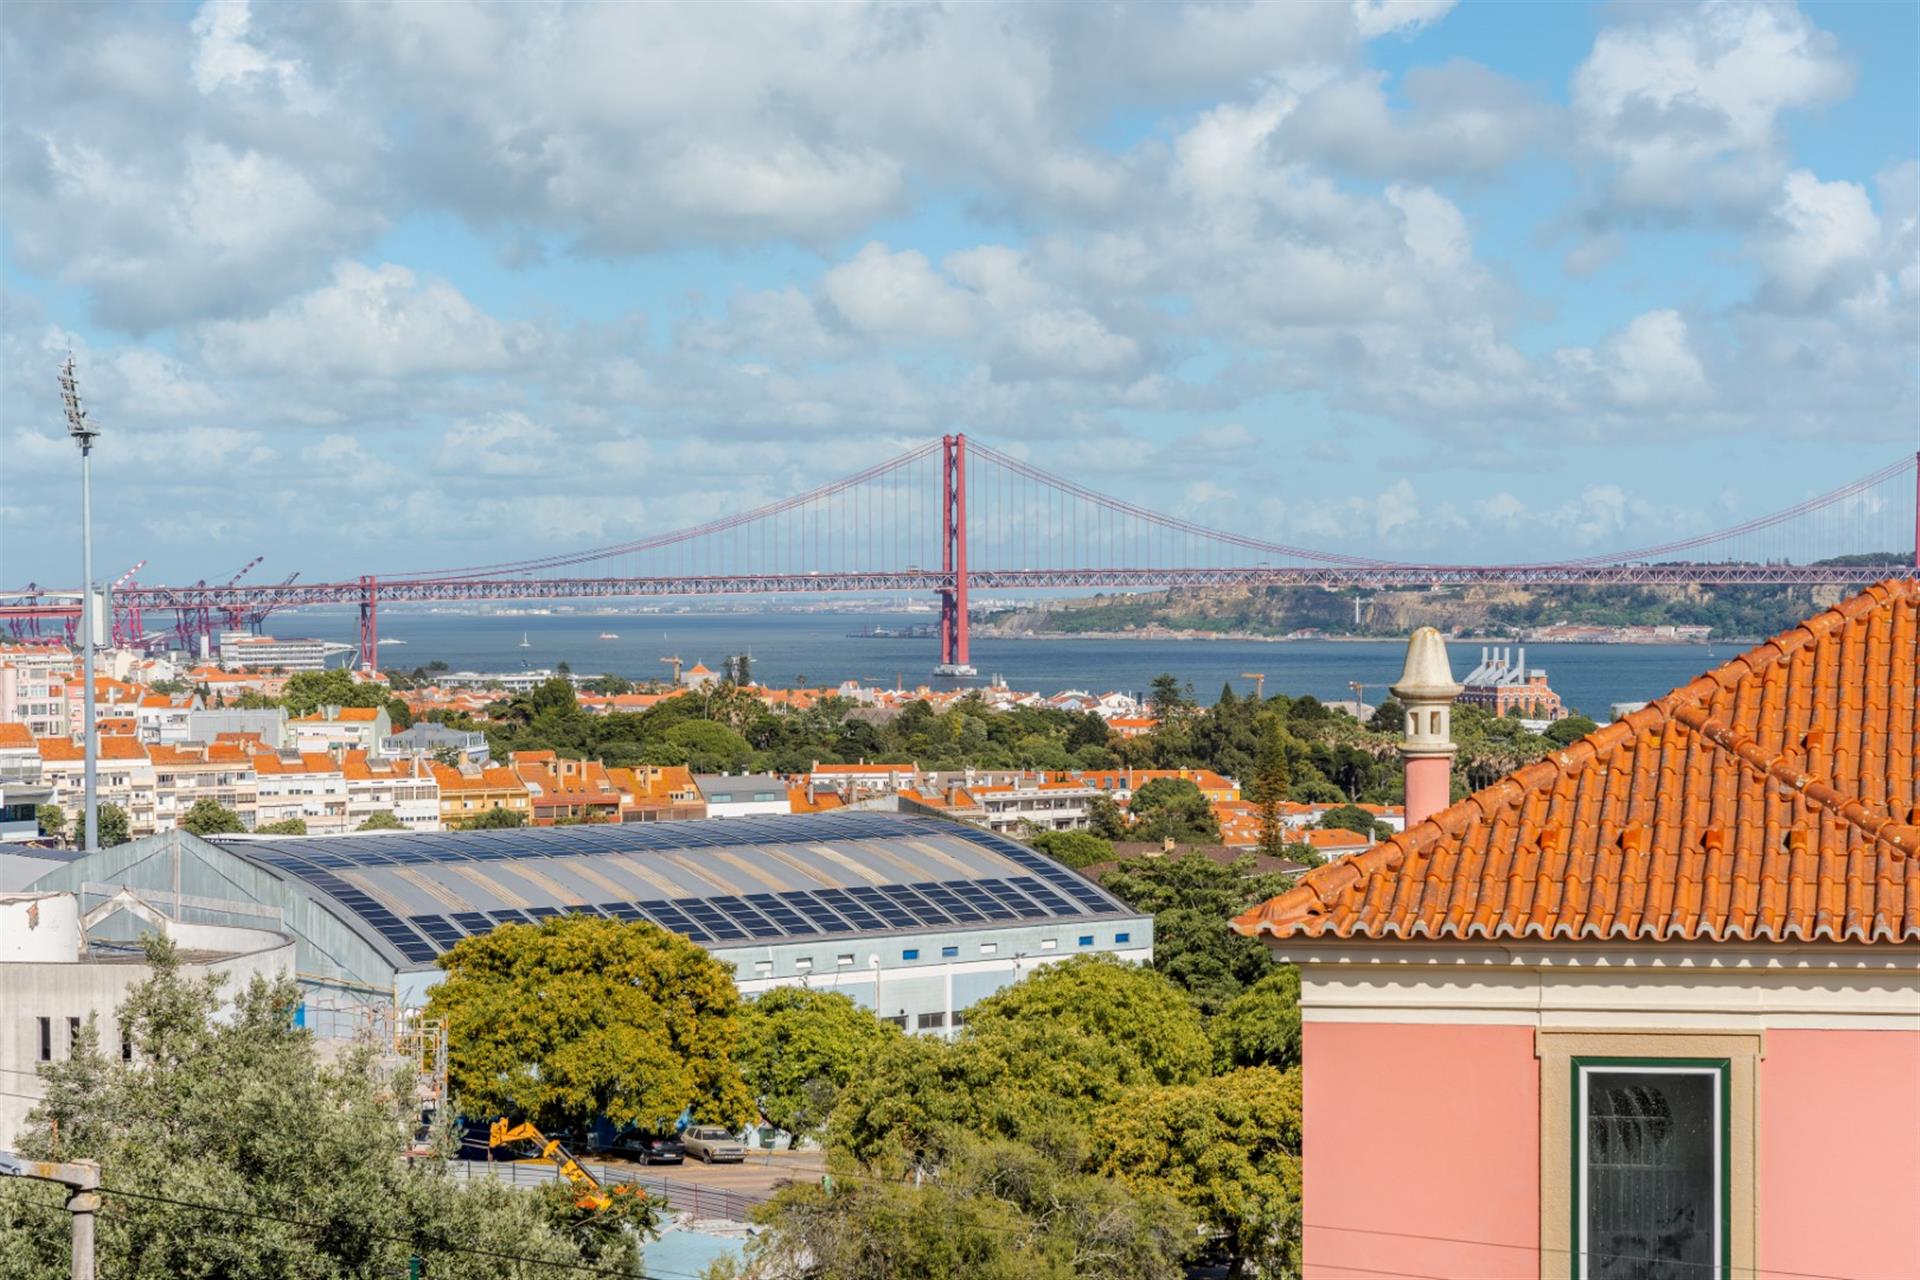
[[713, 1144]]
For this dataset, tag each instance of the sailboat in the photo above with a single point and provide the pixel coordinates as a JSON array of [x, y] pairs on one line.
[[524, 644]]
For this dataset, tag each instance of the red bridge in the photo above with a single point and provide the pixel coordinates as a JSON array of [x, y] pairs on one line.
[[954, 515]]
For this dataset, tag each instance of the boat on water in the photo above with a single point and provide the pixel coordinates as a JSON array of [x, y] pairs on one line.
[[524, 643], [608, 635], [391, 641]]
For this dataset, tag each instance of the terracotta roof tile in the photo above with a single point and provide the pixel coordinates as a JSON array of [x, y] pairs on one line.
[[15, 734], [1773, 799]]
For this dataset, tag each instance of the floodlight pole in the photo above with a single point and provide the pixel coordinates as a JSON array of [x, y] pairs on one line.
[[84, 433], [81, 1178]]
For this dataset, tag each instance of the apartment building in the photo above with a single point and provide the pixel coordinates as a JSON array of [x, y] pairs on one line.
[[33, 680], [468, 793], [185, 775], [124, 774], [309, 785], [339, 729], [659, 793], [574, 790], [406, 788], [165, 717]]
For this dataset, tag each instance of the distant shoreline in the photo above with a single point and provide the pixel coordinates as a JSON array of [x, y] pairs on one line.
[[1260, 638]]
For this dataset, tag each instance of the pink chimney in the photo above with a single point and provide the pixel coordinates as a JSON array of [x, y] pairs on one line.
[[1427, 690]]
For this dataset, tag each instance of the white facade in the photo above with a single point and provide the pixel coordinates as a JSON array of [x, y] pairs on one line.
[[33, 683], [59, 968], [264, 653], [1044, 807], [315, 794], [745, 795], [413, 798]]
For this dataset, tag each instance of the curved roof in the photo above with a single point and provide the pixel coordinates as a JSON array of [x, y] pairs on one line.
[[1774, 799], [720, 882]]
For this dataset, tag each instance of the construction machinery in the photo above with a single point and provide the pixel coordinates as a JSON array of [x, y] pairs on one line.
[[675, 663], [1259, 679], [592, 1194]]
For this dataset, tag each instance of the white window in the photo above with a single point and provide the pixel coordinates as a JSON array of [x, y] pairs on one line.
[[804, 964], [1650, 1164], [763, 968], [843, 961], [989, 948], [1048, 944]]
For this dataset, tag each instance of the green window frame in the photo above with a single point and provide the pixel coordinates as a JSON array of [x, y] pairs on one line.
[[1720, 1071]]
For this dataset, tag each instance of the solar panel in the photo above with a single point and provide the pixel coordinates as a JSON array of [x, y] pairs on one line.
[[878, 903], [915, 905], [665, 913], [817, 912], [1046, 897], [1006, 893], [510, 916], [948, 901], [856, 915], [473, 921], [709, 918], [982, 901], [781, 914], [542, 913], [622, 910], [747, 917], [442, 930]]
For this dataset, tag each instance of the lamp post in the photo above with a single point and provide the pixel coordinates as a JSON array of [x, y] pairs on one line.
[[84, 433]]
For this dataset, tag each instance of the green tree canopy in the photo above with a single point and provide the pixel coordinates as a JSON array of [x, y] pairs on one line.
[[284, 827], [1351, 817], [1173, 808], [1260, 1027], [1226, 1147], [997, 1210], [1570, 729], [52, 819], [799, 1048], [114, 827], [494, 819], [709, 746], [381, 820], [580, 1017], [1076, 849], [1191, 900], [307, 691], [226, 1103], [208, 817]]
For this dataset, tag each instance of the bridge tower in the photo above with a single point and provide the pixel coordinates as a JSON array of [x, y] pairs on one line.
[[954, 658], [369, 624]]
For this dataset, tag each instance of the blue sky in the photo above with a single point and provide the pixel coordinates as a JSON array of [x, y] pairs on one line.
[[367, 287]]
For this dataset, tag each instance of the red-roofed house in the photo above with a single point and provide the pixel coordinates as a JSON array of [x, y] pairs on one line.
[[308, 785], [1649, 1007]]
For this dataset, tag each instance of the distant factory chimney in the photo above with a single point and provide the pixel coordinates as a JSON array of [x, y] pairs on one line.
[[1427, 690]]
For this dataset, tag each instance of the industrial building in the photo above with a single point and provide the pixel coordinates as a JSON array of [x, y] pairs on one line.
[[915, 917]]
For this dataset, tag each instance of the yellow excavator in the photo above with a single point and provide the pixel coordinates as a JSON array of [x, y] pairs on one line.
[[592, 1194]]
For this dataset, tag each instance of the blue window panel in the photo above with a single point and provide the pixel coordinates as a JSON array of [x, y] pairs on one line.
[[910, 953], [948, 953], [1122, 937], [1086, 939]]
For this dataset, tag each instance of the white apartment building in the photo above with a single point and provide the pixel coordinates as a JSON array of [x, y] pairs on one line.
[[406, 788], [311, 787], [33, 680], [124, 773], [165, 718], [1042, 806], [264, 653], [338, 729], [743, 795], [185, 775]]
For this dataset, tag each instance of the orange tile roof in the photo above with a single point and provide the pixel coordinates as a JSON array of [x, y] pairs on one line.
[[822, 800], [1776, 798], [14, 734]]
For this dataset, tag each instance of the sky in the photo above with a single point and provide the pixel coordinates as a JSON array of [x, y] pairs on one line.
[[363, 287]]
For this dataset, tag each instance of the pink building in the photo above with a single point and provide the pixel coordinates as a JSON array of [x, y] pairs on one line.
[[1647, 1008]]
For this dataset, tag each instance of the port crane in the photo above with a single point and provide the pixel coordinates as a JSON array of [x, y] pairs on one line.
[[1259, 679], [592, 1194], [676, 664]]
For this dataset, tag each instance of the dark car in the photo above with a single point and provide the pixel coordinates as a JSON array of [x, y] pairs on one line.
[[649, 1148]]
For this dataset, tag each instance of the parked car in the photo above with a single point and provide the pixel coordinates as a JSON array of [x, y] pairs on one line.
[[11, 1165], [649, 1148], [713, 1144]]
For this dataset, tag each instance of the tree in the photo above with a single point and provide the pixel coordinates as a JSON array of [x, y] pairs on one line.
[[399, 714], [1077, 849], [580, 1017], [798, 1050], [708, 747], [1104, 818], [494, 819], [1565, 732], [284, 827], [307, 691], [114, 828], [1269, 790], [1260, 1027], [381, 820], [996, 1210], [52, 819], [226, 1103], [1173, 808], [1389, 717], [608, 685], [1226, 1147], [1035, 1062], [208, 817], [1191, 900]]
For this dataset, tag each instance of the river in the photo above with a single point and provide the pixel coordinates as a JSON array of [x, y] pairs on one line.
[[787, 647]]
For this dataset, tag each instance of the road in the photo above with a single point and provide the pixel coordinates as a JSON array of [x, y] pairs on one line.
[[757, 1176]]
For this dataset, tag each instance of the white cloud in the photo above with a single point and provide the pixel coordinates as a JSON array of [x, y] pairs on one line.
[[369, 323], [1384, 17], [1650, 364], [1684, 102], [1823, 242], [1464, 119], [897, 295]]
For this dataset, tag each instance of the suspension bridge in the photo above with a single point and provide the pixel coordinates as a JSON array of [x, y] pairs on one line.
[[954, 515]]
